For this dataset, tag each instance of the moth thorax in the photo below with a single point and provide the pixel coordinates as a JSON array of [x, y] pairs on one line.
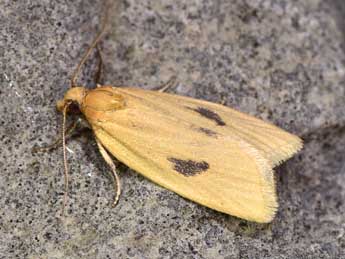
[[103, 99]]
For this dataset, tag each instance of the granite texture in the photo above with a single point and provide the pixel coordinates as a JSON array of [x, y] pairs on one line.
[[280, 60]]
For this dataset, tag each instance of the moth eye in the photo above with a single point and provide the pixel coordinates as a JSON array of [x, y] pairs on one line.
[[104, 100]]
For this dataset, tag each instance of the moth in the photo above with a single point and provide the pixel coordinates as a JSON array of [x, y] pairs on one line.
[[203, 151], [206, 152]]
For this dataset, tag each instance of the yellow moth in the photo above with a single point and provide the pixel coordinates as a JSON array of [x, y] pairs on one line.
[[203, 151]]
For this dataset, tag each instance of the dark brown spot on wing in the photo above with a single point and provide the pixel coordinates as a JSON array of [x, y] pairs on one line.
[[211, 115], [188, 167], [208, 132]]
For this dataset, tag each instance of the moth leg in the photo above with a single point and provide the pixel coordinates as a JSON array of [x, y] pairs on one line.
[[57, 142], [99, 72], [223, 100], [116, 178], [171, 83]]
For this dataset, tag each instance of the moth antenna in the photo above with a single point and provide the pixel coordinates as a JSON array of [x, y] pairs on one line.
[[116, 178], [64, 157], [98, 74], [92, 46]]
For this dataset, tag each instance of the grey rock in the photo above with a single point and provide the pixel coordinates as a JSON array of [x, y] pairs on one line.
[[282, 61]]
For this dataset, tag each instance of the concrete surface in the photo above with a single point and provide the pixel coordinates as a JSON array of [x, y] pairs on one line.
[[282, 61]]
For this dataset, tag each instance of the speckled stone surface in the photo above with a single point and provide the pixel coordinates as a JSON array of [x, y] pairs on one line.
[[282, 61]]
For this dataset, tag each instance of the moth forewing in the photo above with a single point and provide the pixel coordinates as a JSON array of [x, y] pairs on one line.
[[275, 144]]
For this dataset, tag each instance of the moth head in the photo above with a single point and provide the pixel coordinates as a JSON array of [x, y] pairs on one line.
[[74, 95]]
